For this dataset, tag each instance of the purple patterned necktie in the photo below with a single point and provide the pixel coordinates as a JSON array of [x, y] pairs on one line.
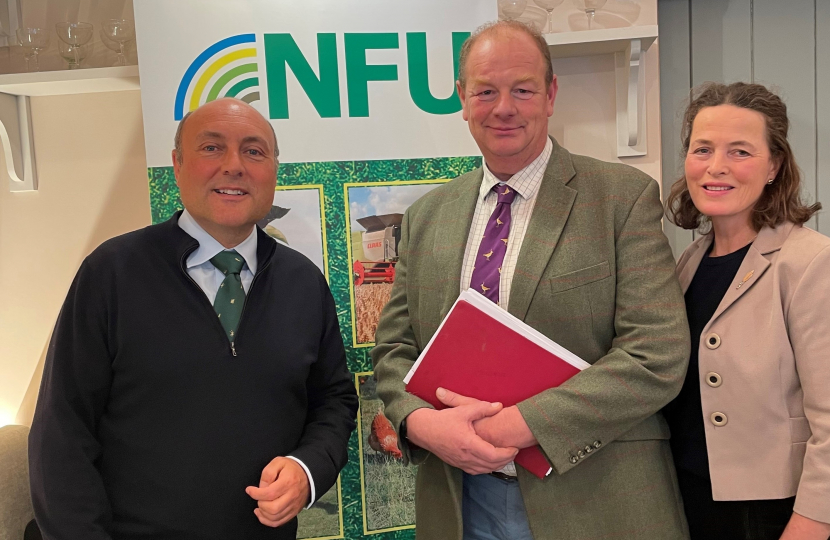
[[487, 268]]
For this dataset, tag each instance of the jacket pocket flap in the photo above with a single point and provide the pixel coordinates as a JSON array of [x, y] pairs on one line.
[[578, 278]]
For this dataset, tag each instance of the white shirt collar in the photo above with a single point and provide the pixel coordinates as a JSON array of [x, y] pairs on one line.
[[209, 246], [525, 182]]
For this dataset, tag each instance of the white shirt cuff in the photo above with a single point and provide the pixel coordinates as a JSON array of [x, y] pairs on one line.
[[310, 481]]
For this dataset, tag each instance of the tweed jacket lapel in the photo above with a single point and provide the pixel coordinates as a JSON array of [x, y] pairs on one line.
[[695, 253], [455, 218], [550, 213]]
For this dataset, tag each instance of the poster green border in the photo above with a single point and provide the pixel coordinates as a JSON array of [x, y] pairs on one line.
[[165, 201]]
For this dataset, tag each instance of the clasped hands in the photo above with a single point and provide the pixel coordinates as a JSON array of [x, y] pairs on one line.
[[283, 491], [476, 436]]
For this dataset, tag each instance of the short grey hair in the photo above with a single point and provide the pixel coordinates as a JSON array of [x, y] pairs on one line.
[[177, 139], [496, 26]]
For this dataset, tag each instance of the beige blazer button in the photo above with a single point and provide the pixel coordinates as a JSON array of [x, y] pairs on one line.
[[573, 459], [597, 445], [580, 454], [714, 379], [713, 341], [718, 418]]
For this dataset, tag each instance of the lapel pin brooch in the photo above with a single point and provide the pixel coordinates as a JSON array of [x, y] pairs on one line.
[[745, 279]]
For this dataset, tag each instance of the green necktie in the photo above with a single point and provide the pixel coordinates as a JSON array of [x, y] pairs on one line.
[[230, 298]]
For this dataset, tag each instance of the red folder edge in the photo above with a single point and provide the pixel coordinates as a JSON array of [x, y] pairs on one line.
[[477, 356]]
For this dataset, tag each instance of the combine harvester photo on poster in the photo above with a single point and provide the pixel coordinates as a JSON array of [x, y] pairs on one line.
[[380, 249], [375, 256]]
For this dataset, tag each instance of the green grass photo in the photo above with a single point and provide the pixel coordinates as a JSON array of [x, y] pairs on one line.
[[387, 485]]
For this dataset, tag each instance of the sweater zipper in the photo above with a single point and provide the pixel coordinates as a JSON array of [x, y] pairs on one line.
[[245, 305], [193, 281]]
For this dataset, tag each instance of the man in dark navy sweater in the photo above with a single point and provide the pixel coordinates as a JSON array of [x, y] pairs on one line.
[[196, 383]]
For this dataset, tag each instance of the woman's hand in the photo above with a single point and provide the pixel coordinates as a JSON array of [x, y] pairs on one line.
[[803, 528]]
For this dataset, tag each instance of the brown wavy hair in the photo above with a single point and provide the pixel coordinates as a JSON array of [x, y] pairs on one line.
[[781, 200]]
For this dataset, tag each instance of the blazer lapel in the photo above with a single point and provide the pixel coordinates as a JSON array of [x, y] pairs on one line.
[[455, 218], [754, 265], [550, 213]]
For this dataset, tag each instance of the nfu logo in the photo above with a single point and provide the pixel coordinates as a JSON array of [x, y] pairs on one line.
[[225, 69], [229, 68]]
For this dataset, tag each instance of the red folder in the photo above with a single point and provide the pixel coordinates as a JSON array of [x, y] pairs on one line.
[[491, 358]]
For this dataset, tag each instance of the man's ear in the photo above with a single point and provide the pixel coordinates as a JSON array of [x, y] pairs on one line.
[[176, 166], [463, 97], [553, 89]]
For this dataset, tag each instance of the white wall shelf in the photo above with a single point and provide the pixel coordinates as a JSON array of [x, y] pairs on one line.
[[628, 45], [16, 135], [77, 81], [600, 41]]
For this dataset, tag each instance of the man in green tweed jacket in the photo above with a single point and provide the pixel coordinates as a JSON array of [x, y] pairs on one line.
[[585, 262]]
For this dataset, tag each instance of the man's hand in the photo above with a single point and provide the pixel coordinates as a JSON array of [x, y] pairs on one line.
[[283, 491], [507, 428], [449, 434]]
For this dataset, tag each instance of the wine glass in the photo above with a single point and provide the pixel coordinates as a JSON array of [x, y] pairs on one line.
[[121, 31], [549, 6], [5, 40], [512, 9], [112, 45], [74, 54], [590, 8], [33, 40], [74, 34]]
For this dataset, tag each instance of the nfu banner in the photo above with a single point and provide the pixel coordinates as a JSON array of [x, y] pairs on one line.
[[362, 97], [339, 79]]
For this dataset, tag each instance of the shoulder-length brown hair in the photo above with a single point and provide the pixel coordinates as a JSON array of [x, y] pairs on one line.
[[781, 200]]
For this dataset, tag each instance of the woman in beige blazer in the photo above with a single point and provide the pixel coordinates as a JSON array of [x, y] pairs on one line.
[[751, 426]]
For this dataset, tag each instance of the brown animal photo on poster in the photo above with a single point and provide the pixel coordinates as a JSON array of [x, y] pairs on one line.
[[388, 485]]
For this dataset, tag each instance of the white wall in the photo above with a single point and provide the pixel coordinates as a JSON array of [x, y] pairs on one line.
[[584, 118], [92, 186]]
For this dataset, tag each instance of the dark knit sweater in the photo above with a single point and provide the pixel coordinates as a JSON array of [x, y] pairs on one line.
[[147, 425]]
